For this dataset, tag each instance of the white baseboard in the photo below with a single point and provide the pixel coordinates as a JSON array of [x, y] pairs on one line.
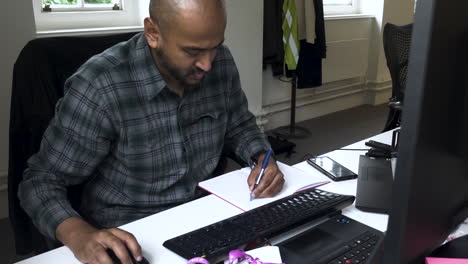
[[379, 93], [330, 98]]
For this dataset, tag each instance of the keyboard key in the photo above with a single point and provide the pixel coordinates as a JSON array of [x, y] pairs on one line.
[[217, 239]]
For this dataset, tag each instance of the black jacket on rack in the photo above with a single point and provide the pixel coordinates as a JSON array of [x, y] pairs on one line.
[[273, 49], [309, 68]]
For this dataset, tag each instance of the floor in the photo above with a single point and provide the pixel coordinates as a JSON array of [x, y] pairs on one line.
[[326, 134], [336, 130]]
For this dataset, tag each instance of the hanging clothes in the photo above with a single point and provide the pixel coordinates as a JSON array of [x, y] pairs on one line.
[[312, 48], [320, 40], [290, 34], [309, 68], [273, 50], [306, 20]]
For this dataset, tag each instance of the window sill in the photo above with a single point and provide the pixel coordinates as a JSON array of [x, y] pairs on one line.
[[109, 30], [87, 31], [348, 16], [79, 11]]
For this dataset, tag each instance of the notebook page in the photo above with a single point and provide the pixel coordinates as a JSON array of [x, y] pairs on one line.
[[232, 187]]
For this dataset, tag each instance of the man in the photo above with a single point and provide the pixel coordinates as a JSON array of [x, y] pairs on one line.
[[141, 124]]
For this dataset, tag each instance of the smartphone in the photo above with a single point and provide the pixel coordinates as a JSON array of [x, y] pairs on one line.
[[331, 168]]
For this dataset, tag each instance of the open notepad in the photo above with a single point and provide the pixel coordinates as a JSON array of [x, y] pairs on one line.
[[233, 188]]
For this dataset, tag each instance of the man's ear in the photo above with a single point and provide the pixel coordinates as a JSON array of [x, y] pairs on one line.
[[152, 33]]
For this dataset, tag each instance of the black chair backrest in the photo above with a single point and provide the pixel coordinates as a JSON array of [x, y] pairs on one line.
[[39, 75], [397, 41]]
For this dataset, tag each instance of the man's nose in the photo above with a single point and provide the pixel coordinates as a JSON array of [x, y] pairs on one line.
[[205, 60]]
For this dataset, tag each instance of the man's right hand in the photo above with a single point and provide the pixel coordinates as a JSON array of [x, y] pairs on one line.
[[89, 244]]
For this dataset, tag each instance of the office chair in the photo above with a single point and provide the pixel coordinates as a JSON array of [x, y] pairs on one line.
[[397, 41], [39, 75]]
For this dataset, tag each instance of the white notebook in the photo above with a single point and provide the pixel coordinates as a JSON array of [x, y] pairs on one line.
[[233, 188]]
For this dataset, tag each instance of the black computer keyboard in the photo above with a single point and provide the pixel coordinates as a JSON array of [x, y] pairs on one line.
[[216, 240]]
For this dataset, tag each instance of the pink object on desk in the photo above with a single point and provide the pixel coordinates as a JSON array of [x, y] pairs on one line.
[[446, 261]]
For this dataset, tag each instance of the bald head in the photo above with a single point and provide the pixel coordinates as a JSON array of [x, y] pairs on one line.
[[167, 12], [184, 37]]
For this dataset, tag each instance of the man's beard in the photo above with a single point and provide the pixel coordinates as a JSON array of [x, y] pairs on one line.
[[173, 71]]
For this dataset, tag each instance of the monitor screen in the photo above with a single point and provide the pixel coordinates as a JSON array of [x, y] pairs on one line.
[[430, 192]]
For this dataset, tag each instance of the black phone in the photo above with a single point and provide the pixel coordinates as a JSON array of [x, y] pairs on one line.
[[331, 168]]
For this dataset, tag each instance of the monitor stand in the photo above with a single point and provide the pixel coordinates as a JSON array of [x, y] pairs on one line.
[[457, 248]]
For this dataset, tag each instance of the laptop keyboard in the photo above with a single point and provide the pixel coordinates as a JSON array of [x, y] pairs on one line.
[[218, 239], [357, 251]]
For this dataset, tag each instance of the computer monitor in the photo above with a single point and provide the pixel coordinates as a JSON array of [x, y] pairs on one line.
[[430, 191]]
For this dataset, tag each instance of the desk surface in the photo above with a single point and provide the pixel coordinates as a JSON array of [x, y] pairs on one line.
[[153, 230]]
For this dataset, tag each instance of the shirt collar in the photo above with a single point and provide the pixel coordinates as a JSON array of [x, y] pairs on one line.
[[146, 70]]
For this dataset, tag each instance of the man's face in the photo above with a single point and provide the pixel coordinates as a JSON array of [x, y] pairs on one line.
[[187, 49]]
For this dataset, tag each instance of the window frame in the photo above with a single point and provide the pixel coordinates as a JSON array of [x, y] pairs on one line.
[[85, 7], [86, 18], [346, 9]]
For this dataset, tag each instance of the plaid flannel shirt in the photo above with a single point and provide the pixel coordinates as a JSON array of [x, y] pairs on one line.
[[138, 146]]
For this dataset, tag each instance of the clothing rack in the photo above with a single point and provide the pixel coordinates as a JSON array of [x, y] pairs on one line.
[[292, 131]]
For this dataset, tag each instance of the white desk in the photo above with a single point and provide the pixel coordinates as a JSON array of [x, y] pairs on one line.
[[350, 159], [152, 231]]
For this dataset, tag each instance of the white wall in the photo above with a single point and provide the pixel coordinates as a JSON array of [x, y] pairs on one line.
[[342, 75], [354, 72], [355, 57], [244, 37]]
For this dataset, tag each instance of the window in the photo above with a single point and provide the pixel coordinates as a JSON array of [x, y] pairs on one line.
[[80, 5], [53, 15], [337, 2], [340, 7]]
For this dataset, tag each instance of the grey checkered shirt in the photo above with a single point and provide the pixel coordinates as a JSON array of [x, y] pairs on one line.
[[138, 146]]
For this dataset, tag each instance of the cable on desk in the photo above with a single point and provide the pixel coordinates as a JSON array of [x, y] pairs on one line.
[[308, 156]]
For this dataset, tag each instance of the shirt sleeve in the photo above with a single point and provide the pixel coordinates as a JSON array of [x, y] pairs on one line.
[[75, 142], [244, 135]]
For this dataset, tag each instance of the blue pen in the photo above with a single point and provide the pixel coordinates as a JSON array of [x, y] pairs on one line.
[[262, 171]]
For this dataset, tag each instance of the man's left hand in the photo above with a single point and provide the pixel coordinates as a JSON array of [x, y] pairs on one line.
[[272, 181]]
